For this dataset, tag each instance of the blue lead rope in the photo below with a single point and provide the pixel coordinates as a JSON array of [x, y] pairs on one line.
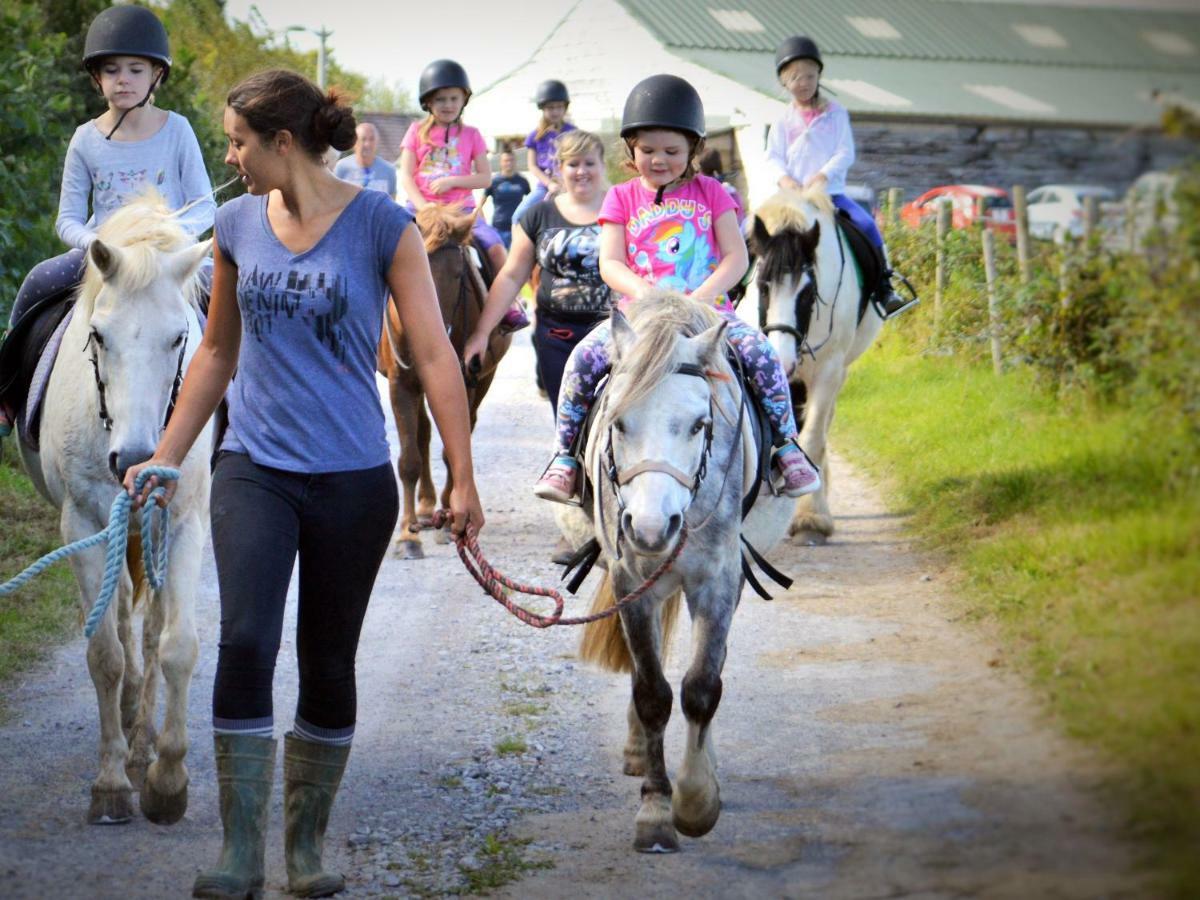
[[154, 549]]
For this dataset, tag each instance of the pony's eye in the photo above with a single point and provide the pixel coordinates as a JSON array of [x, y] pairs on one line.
[[619, 426], [699, 426], [178, 340], [97, 338]]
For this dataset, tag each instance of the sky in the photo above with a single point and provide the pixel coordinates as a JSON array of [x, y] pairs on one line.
[[394, 39]]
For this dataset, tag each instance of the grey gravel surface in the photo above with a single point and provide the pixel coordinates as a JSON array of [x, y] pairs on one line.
[[870, 742]]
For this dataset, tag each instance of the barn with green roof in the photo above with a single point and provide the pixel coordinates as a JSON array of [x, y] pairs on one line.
[[939, 91]]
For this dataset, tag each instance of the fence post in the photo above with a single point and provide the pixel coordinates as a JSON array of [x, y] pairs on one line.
[[1131, 208], [1021, 210], [894, 196], [989, 267], [943, 226], [1091, 215]]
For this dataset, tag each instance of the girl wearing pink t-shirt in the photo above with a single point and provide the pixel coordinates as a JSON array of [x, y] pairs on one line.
[[670, 227], [442, 160]]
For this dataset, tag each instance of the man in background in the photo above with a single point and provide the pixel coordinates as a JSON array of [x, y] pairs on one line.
[[506, 190], [363, 167]]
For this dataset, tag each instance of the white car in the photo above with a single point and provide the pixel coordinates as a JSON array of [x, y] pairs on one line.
[[1056, 210]]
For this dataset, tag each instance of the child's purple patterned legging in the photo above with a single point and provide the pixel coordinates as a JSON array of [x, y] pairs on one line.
[[588, 363]]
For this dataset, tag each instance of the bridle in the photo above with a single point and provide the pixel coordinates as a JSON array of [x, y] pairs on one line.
[[100, 387], [617, 478], [810, 295]]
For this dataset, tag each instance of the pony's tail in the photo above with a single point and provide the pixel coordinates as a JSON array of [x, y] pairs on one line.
[[603, 642]]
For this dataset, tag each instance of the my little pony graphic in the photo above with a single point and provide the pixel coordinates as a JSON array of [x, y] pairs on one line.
[[690, 253], [442, 161]]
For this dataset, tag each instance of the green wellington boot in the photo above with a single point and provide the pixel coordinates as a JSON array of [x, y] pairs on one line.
[[311, 775], [245, 771]]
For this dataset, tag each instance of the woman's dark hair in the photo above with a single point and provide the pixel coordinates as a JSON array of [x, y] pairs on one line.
[[281, 100], [710, 162]]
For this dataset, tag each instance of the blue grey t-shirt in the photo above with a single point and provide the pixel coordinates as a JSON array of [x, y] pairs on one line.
[[304, 398]]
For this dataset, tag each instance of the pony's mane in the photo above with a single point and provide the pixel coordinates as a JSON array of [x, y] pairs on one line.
[[660, 319], [143, 229], [788, 210], [441, 225]]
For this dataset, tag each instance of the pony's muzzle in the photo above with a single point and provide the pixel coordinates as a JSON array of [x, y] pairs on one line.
[[120, 460], [646, 538]]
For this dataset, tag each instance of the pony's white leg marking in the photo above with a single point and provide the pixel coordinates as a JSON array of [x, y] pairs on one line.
[[164, 796], [112, 794], [654, 830], [696, 804], [635, 743], [813, 520]]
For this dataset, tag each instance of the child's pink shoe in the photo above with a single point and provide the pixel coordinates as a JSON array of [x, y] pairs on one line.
[[797, 474], [515, 319], [558, 481]]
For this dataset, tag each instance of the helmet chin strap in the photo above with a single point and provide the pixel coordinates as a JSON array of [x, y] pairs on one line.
[[145, 100]]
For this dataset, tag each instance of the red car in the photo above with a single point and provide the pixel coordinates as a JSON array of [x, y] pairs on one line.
[[966, 202]]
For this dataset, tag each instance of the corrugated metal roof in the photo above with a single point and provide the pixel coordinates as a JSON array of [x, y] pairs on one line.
[[950, 30]]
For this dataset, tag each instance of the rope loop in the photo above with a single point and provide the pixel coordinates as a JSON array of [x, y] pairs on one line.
[[155, 549], [498, 585]]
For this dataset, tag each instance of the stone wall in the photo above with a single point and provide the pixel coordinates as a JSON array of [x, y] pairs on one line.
[[919, 156]]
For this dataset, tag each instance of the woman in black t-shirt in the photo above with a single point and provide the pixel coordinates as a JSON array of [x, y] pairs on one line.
[[561, 235]]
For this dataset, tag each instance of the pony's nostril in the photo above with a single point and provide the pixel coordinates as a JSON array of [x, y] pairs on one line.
[[674, 524], [114, 465], [627, 522]]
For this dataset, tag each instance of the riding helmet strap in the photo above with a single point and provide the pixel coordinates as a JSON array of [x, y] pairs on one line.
[[145, 100]]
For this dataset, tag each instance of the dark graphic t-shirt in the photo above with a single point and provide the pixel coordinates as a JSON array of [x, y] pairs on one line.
[[569, 255], [304, 398], [506, 192]]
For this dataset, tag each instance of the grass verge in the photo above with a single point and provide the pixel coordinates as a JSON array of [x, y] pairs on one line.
[[1077, 530], [43, 612]]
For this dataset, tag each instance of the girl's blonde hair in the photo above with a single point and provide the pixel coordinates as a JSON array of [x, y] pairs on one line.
[[575, 144], [819, 102], [545, 126]]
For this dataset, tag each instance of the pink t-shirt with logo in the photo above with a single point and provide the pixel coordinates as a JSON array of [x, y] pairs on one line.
[[672, 244], [438, 157]]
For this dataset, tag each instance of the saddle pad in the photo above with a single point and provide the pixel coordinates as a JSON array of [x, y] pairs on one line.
[[30, 419], [867, 257]]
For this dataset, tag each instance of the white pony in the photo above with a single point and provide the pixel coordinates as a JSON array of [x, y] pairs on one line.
[[134, 330], [671, 454], [808, 291]]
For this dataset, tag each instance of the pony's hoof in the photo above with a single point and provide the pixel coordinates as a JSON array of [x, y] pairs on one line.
[[695, 813], [807, 538], [425, 520], [409, 550], [163, 809], [135, 771], [563, 552], [110, 807], [442, 536], [655, 838]]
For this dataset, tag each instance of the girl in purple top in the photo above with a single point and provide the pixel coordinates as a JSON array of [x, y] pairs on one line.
[[673, 228], [302, 267], [542, 144]]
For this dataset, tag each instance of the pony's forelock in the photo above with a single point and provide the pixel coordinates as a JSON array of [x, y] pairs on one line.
[[659, 320], [441, 225], [788, 210]]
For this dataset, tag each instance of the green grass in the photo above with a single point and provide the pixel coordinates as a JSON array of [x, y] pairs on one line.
[[511, 746], [46, 610], [502, 862], [1077, 531]]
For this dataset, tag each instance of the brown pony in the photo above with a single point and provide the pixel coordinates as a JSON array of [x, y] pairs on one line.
[[461, 295]]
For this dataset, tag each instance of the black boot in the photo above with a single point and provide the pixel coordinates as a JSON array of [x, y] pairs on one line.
[[889, 303]]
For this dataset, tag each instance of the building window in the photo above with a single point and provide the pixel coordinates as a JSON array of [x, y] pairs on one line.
[[1170, 42], [874, 28], [867, 92], [1041, 36], [1013, 99], [737, 20]]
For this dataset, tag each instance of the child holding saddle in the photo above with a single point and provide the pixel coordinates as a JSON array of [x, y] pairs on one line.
[[131, 147], [443, 160], [673, 228], [812, 145]]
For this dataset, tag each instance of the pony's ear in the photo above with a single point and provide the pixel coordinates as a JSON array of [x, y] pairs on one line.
[[184, 263], [623, 334], [106, 258], [810, 239], [710, 344], [759, 235]]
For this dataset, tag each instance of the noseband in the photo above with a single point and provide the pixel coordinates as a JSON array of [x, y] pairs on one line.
[[175, 384]]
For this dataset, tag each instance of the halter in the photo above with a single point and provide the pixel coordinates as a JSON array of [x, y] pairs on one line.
[[620, 477], [810, 290], [175, 384]]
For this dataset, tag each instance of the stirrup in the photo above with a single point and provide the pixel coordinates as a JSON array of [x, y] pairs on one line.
[[880, 306]]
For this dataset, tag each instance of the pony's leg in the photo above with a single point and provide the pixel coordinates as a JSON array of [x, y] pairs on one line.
[[164, 795], [635, 743], [141, 753], [813, 521], [427, 493], [696, 803], [652, 697], [131, 680], [405, 405], [112, 794]]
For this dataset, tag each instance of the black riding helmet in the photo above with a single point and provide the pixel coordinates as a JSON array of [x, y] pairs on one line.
[[663, 101], [552, 91], [798, 46], [442, 73], [127, 31]]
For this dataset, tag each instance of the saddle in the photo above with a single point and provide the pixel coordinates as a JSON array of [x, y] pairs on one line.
[[759, 426], [21, 351], [872, 268]]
